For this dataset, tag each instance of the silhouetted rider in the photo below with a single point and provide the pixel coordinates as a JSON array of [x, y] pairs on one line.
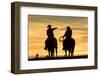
[[68, 33], [50, 34], [50, 31]]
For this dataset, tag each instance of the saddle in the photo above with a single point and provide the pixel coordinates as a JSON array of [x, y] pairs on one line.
[[51, 43], [67, 44]]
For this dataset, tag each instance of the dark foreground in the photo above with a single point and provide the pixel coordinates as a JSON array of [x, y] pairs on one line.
[[54, 58]]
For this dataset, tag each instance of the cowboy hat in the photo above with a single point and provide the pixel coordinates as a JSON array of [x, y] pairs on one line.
[[49, 26], [67, 27]]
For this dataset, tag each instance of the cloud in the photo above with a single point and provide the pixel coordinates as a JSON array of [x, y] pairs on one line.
[[58, 19]]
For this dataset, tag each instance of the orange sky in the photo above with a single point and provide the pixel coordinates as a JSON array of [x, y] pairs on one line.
[[37, 33]]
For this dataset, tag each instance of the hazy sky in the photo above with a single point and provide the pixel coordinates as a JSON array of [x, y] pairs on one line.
[[37, 33]]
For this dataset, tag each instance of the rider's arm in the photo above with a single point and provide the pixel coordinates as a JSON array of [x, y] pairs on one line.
[[64, 34], [54, 28]]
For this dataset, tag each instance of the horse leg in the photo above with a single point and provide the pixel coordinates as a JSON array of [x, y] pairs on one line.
[[56, 52], [65, 52], [69, 52], [52, 53], [49, 53], [72, 52]]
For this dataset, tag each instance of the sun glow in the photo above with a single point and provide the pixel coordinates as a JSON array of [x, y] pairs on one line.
[[37, 33]]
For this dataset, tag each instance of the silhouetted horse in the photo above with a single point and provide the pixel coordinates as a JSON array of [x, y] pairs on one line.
[[69, 45], [51, 44]]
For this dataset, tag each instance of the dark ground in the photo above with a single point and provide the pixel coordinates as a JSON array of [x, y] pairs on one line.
[[56, 58]]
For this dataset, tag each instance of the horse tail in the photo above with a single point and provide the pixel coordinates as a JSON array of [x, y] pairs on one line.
[[55, 45], [73, 43]]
